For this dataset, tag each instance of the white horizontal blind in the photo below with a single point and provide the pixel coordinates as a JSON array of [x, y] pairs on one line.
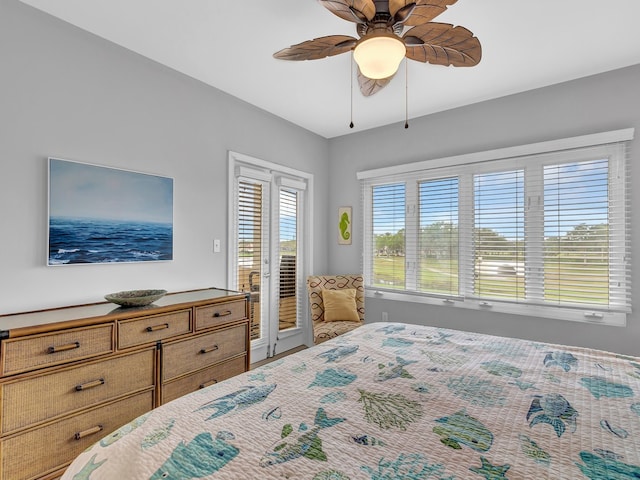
[[498, 235], [438, 237], [576, 225], [288, 290], [386, 237], [548, 231]]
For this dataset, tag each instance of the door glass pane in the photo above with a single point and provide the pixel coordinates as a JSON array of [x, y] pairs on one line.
[[249, 259], [288, 304]]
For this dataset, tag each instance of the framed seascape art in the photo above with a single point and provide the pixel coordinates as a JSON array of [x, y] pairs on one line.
[[344, 226], [106, 215]]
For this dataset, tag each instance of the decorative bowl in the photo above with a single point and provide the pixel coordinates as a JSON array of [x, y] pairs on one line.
[[135, 298]]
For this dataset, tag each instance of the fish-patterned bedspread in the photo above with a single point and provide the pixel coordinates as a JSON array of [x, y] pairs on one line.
[[395, 401]]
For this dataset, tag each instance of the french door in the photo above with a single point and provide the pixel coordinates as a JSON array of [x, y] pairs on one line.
[[268, 254]]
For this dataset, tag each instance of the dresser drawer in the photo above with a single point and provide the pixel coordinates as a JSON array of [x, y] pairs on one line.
[[148, 330], [214, 315], [203, 378], [186, 356], [37, 351], [36, 399], [52, 447]]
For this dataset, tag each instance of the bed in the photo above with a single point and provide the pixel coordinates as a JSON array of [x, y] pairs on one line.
[[395, 401]]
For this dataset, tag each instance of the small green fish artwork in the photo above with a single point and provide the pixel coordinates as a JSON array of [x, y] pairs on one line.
[[157, 435], [344, 226], [238, 400], [532, 450], [413, 466], [555, 410], [202, 456], [333, 377], [635, 408], [596, 467], [389, 410], [501, 369], [489, 471], [461, 429], [305, 442], [599, 387], [124, 430], [563, 360], [90, 467]]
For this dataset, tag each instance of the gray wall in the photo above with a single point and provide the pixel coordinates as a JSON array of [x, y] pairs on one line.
[[69, 94], [72, 95], [595, 104]]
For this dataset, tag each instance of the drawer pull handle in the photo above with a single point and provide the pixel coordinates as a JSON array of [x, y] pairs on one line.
[[155, 328], [63, 348], [208, 384], [226, 313], [88, 385], [87, 432], [210, 349]]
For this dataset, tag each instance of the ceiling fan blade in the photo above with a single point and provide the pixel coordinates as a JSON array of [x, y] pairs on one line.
[[443, 44], [317, 48], [369, 86], [358, 11], [424, 10]]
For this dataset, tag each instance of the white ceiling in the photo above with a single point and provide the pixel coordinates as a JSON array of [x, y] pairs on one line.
[[526, 44]]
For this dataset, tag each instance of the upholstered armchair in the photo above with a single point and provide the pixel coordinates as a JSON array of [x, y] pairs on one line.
[[337, 312]]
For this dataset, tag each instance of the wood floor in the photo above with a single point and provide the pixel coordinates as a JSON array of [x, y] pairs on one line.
[[277, 357]]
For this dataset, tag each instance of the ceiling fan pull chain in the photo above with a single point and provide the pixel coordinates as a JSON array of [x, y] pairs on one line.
[[351, 124], [406, 93]]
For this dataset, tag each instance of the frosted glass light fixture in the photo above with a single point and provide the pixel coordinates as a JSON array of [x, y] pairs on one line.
[[379, 55]]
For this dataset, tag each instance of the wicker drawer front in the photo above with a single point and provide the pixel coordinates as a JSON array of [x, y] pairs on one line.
[[180, 358], [148, 330], [214, 315], [52, 447], [37, 399], [203, 378], [37, 351]]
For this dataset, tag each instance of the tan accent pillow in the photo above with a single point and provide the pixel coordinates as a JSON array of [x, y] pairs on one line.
[[340, 305]]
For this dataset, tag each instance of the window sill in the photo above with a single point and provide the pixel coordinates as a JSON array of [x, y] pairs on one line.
[[600, 317]]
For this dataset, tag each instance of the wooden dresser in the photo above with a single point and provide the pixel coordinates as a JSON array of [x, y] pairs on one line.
[[70, 376]]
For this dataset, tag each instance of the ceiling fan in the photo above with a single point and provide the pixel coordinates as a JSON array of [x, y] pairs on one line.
[[383, 41]]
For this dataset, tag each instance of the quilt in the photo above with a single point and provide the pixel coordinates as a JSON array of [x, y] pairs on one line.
[[393, 401]]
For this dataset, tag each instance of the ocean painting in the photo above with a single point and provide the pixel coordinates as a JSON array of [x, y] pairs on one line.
[[107, 215]]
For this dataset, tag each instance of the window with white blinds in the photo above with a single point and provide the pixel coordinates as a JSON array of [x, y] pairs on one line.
[[544, 233]]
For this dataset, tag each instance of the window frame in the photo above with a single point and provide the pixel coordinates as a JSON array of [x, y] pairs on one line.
[[613, 145]]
